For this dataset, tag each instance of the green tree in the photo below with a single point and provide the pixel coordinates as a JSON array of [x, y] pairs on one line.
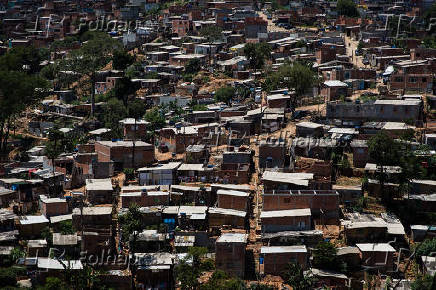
[[325, 256], [66, 227], [187, 276], [193, 66], [384, 150], [426, 248], [17, 253], [18, 90], [136, 110], [47, 234], [295, 276], [225, 94], [156, 118], [188, 273], [221, 280], [114, 111], [53, 283], [8, 276], [49, 72], [347, 8], [121, 59], [134, 71], [25, 59], [130, 222], [256, 54], [211, 33], [53, 148], [95, 53], [424, 282], [298, 76]]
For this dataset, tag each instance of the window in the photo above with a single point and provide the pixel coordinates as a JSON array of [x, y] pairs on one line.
[[398, 79], [412, 80], [287, 199], [424, 80]]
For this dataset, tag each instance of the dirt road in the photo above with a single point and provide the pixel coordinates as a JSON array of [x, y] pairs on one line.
[[351, 47], [271, 26]]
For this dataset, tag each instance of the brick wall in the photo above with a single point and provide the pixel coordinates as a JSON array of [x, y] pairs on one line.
[[276, 263], [230, 257], [233, 202]]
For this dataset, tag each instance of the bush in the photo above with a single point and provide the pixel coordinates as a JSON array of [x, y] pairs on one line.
[[8, 276], [130, 173], [225, 94], [426, 248]]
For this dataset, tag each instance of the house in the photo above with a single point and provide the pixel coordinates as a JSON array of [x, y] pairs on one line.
[[183, 194], [134, 129], [92, 217], [198, 117], [286, 181], [379, 257], [68, 244], [323, 204], [334, 90], [421, 232], [350, 256], [149, 241], [318, 148], [425, 202], [55, 221], [279, 101], [53, 206], [163, 174], [364, 228], [37, 248], [256, 27], [7, 196], [51, 267], [197, 154], [100, 134], [272, 153], [429, 264], [219, 217], [178, 139], [95, 223], [230, 253], [99, 191], [181, 26], [155, 269], [183, 59], [360, 153], [194, 172], [32, 225], [412, 75], [277, 258], [326, 278], [7, 220], [145, 198], [120, 152], [286, 220], [233, 199], [379, 110], [309, 129], [420, 186]]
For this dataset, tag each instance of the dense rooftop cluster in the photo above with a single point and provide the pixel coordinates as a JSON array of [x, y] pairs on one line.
[[153, 144]]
